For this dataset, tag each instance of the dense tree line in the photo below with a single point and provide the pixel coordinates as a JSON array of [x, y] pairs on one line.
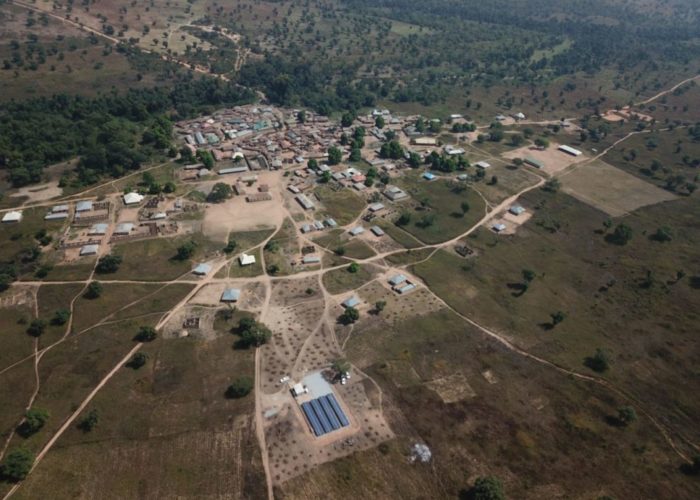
[[112, 133]]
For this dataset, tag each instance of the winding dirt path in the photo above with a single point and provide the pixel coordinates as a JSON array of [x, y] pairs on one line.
[[668, 91]]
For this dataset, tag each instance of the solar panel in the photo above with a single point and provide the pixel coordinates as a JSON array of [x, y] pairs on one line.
[[324, 415], [325, 423], [338, 411], [330, 414], [311, 417]]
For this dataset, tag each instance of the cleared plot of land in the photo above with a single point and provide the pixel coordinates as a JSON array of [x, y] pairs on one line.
[[610, 189], [237, 215], [552, 159]]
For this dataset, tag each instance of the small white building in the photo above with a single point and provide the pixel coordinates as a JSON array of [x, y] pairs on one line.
[[13, 216], [569, 150], [299, 389], [89, 250], [311, 260], [231, 295], [482, 164], [98, 229], [132, 198], [124, 228], [377, 231], [425, 141], [246, 260], [356, 231], [83, 206], [202, 269]]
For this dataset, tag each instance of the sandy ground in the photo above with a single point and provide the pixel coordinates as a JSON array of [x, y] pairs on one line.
[[250, 300], [293, 450], [610, 189], [517, 220], [553, 159], [237, 214], [39, 192]]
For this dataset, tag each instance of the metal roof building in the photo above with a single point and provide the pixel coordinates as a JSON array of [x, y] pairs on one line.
[[245, 260], [533, 162], [357, 230], [397, 280], [516, 210], [98, 229], [56, 216], [311, 259], [233, 170], [569, 150], [378, 231], [89, 249], [482, 164], [351, 302], [132, 198], [376, 207], [124, 228], [231, 295], [13, 216], [305, 202], [202, 269], [83, 206]]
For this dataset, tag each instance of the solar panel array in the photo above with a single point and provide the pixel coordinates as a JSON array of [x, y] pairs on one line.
[[324, 415]]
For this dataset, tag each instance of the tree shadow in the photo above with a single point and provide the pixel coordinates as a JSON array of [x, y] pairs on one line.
[[613, 421], [546, 326], [614, 240], [519, 289]]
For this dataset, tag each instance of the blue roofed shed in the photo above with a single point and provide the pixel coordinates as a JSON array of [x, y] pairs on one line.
[[202, 269], [231, 295], [351, 302]]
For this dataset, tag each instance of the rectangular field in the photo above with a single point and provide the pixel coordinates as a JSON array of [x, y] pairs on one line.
[[611, 190]]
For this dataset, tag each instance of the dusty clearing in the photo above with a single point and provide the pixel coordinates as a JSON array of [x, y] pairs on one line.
[[39, 192], [237, 214], [611, 190], [554, 160], [452, 388]]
